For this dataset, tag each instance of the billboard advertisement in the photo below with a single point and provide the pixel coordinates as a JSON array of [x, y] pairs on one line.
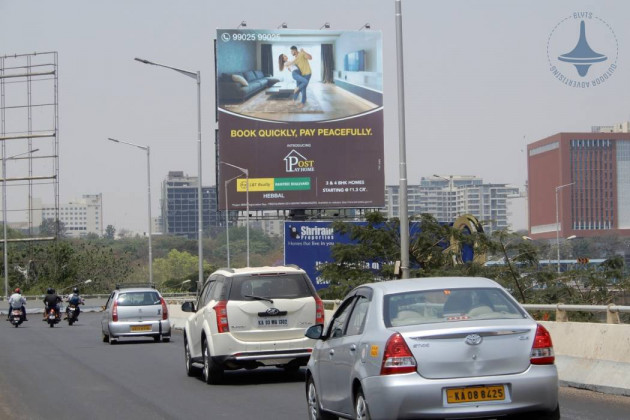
[[300, 115]]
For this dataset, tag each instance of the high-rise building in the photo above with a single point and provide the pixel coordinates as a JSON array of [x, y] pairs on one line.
[[79, 216], [447, 198], [579, 184], [180, 206]]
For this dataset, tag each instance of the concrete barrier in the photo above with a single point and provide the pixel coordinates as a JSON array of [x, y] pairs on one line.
[[592, 356]]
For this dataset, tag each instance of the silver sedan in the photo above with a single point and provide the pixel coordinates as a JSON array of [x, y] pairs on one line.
[[431, 348]]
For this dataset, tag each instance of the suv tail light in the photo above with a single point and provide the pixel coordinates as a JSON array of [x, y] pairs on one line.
[[164, 310], [542, 349], [115, 311], [319, 310], [397, 358], [222, 318]]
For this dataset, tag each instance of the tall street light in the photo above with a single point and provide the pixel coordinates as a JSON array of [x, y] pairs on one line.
[[197, 77], [148, 150], [246, 173], [4, 216], [227, 222], [558, 188]]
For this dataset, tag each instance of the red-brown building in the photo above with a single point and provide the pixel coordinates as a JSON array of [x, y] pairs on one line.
[[582, 180]]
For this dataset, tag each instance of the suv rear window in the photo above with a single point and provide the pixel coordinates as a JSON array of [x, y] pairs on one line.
[[279, 286], [138, 299], [448, 305]]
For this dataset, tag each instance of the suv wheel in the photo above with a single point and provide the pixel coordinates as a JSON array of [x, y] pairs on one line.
[[191, 370], [312, 399], [212, 373]]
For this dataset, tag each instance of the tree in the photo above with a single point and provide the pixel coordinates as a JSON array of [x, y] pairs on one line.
[[110, 232], [50, 227]]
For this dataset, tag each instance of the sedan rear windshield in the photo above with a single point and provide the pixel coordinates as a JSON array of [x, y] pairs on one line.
[[277, 286], [448, 305], [138, 299]]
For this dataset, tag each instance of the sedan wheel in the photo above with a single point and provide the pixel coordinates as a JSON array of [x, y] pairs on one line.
[[312, 399], [212, 374], [361, 411]]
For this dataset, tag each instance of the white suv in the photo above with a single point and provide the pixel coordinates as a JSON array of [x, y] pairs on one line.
[[251, 317]]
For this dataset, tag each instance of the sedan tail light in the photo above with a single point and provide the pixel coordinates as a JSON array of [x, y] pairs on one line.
[[222, 318], [164, 310], [115, 311], [319, 310], [542, 349], [397, 358]]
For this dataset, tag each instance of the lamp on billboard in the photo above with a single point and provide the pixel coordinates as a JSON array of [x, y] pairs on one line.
[[246, 173]]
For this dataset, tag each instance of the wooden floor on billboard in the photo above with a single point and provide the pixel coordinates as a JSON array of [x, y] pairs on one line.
[[325, 101]]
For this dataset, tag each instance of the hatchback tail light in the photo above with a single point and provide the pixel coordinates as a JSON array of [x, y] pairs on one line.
[[542, 349], [115, 311], [164, 310], [397, 358], [222, 318], [319, 310]]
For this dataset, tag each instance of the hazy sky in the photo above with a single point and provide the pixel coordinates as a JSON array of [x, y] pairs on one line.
[[477, 78]]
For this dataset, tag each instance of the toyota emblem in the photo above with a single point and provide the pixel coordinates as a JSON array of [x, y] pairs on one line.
[[473, 339]]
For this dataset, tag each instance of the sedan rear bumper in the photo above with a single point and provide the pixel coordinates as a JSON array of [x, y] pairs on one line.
[[409, 395]]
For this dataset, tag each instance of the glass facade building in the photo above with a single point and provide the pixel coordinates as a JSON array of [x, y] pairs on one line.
[[180, 206]]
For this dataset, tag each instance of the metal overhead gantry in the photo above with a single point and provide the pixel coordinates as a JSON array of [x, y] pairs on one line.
[[29, 121]]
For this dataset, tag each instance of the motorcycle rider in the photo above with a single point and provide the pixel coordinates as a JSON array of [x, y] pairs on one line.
[[76, 300], [17, 301], [51, 301]]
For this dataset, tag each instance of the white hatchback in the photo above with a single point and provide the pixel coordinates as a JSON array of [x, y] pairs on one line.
[[251, 317]]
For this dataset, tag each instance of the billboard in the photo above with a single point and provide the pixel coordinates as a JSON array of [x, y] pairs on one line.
[[305, 124]]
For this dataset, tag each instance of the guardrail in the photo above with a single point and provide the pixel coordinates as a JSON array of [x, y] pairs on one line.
[[561, 310]]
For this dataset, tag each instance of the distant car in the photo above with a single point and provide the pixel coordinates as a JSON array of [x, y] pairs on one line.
[[133, 311], [251, 317], [431, 348]]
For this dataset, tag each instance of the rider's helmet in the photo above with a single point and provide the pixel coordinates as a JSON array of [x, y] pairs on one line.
[[50, 291], [75, 290], [17, 290]]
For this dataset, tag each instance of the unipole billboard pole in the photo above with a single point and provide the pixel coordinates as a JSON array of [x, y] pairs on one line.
[[402, 193]]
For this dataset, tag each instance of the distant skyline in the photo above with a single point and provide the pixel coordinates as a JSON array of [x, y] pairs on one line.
[[478, 84]]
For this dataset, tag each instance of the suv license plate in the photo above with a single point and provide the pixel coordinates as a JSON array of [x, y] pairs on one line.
[[136, 328], [475, 394], [273, 322]]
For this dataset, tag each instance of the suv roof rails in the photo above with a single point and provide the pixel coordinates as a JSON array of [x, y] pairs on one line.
[[132, 285]]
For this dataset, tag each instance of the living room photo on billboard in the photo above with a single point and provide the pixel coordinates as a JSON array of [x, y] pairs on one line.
[[299, 75]]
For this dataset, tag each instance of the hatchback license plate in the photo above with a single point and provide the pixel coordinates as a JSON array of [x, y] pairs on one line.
[[475, 394], [136, 328]]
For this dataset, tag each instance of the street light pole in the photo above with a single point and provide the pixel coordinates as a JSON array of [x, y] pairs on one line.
[[246, 173], [148, 150], [4, 216], [227, 222], [197, 77], [558, 188]]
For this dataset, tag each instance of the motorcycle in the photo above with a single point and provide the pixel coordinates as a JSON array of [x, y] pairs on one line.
[[16, 317], [52, 317], [72, 313]]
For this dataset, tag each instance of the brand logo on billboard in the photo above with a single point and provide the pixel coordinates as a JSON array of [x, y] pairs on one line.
[[582, 50], [296, 162], [311, 233]]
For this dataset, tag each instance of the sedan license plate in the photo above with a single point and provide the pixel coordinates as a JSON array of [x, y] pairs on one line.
[[273, 322], [136, 328], [475, 394]]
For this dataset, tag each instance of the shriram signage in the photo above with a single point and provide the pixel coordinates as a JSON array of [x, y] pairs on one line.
[[305, 123]]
